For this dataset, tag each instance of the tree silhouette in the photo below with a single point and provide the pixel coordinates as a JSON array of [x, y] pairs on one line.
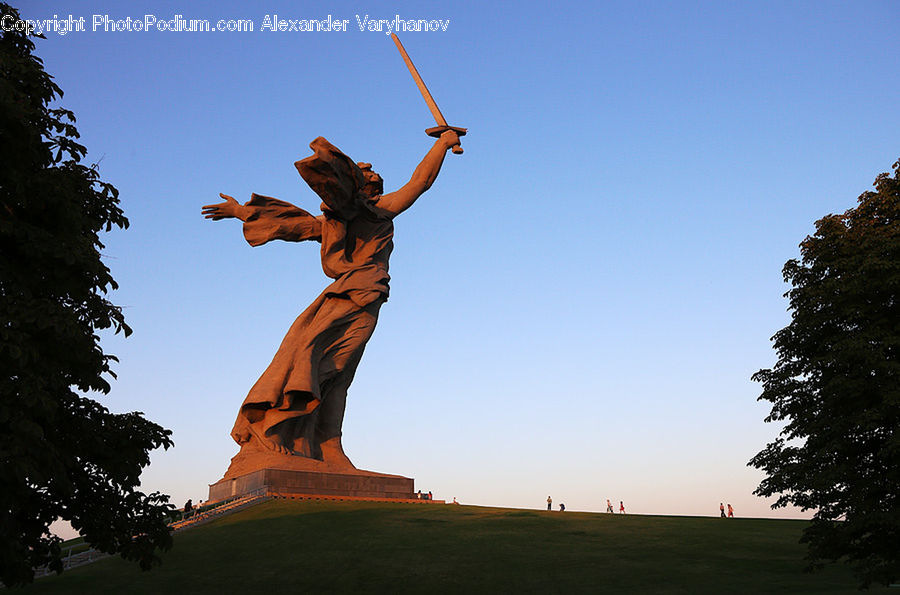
[[837, 385], [62, 455]]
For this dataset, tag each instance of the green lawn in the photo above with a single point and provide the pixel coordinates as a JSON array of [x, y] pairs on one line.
[[353, 547]]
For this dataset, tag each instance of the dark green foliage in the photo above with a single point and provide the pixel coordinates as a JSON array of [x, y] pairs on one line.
[[837, 385], [62, 455]]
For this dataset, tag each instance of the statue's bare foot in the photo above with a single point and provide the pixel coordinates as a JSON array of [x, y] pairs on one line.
[[333, 454], [276, 443]]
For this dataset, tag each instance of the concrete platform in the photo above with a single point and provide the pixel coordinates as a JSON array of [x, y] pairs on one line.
[[294, 483]]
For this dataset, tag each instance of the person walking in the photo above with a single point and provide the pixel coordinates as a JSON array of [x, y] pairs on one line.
[[730, 512], [621, 507], [722, 510], [549, 503], [609, 507]]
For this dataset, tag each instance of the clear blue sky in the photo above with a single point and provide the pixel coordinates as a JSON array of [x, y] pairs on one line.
[[579, 302]]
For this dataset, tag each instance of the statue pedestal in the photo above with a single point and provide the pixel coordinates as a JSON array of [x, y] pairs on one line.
[[286, 482], [291, 475]]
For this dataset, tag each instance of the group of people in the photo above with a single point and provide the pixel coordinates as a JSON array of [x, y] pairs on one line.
[[421, 496], [190, 508], [562, 507], [610, 510], [609, 506]]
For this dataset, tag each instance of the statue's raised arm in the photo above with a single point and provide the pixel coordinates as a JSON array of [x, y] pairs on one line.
[[423, 177]]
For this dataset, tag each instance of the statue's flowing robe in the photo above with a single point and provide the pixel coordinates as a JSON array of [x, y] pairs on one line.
[[303, 391]]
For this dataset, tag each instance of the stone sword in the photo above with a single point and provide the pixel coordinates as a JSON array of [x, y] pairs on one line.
[[429, 100]]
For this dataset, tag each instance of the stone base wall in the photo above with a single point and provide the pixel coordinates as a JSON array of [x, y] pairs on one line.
[[284, 482]]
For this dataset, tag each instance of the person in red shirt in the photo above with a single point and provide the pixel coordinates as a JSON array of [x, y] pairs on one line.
[[730, 512], [621, 507]]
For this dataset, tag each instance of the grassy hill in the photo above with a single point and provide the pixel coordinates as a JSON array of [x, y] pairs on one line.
[[359, 547]]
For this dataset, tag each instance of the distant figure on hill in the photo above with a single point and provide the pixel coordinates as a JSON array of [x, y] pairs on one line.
[[621, 507], [609, 507], [188, 507], [722, 509], [730, 512], [454, 500], [562, 507], [549, 503], [430, 497]]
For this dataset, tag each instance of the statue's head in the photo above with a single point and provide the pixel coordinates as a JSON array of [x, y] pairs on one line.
[[374, 183]]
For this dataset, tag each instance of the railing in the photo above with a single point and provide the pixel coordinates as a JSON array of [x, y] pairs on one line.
[[79, 553], [217, 508], [75, 554]]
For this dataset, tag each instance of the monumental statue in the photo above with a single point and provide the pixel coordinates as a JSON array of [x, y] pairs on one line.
[[289, 425], [297, 405]]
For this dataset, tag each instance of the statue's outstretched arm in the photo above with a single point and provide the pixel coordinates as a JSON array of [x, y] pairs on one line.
[[266, 219], [426, 173]]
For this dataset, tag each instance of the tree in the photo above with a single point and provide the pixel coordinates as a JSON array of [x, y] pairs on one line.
[[836, 384], [62, 455]]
